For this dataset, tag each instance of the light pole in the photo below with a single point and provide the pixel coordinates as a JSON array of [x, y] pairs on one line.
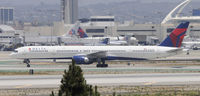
[[160, 25], [24, 37], [51, 36]]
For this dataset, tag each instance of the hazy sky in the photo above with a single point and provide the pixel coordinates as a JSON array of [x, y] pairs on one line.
[[82, 2], [25, 8]]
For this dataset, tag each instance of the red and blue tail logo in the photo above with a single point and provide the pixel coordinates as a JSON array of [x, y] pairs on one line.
[[81, 33], [72, 32], [106, 41], [176, 37]]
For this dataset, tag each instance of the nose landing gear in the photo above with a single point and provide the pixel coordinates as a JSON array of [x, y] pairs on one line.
[[27, 61]]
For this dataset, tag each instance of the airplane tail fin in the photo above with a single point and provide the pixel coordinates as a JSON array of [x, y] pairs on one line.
[[106, 41], [176, 37], [76, 30], [73, 30], [81, 33], [127, 37]]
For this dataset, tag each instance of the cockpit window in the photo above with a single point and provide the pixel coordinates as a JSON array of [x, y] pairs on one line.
[[16, 51]]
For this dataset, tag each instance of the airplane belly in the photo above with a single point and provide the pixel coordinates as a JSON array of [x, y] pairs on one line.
[[145, 55], [126, 56], [47, 55], [64, 55], [37, 55]]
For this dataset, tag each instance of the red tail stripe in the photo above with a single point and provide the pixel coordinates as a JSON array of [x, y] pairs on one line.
[[178, 31]]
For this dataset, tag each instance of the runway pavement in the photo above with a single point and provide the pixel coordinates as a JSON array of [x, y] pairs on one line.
[[148, 77], [16, 66], [53, 81]]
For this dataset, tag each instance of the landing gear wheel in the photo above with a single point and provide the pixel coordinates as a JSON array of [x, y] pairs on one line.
[[28, 65], [102, 65], [105, 65], [26, 61], [98, 65]]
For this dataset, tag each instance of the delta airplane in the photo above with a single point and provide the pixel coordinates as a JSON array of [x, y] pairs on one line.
[[89, 54], [76, 36], [119, 40], [81, 38]]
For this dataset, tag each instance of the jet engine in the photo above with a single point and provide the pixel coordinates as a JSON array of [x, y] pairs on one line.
[[81, 59]]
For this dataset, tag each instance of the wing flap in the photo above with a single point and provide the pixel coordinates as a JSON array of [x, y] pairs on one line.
[[175, 50]]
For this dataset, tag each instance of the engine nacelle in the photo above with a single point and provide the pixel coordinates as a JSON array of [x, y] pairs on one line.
[[81, 59]]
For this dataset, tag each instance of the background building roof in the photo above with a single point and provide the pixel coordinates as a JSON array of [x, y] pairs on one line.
[[6, 28]]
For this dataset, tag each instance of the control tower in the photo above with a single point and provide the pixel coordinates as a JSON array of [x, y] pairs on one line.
[[69, 10]]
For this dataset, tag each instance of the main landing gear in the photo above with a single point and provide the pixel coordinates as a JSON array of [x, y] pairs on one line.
[[27, 61], [101, 63]]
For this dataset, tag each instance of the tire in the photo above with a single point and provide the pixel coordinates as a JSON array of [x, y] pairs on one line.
[[102, 65], [26, 61], [28, 65], [98, 65], [106, 65]]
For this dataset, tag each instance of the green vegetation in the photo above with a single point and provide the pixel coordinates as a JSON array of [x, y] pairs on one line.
[[187, 93], [157, 91], [74, 84]]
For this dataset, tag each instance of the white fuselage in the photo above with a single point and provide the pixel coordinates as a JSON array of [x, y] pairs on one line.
[[67, 52], [120, 42]]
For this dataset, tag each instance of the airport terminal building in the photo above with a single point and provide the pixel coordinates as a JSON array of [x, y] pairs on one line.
[[102, 26]]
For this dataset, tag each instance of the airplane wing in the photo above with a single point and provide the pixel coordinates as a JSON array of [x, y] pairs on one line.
[[90, 57], [100, 54], [175, 50]]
